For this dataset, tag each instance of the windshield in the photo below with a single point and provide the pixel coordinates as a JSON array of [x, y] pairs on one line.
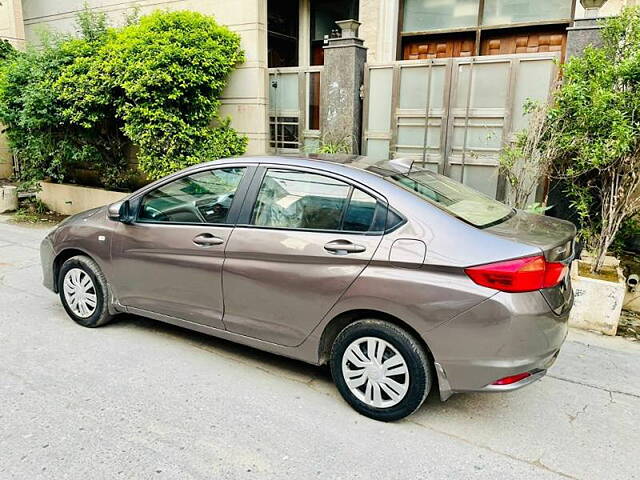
[[459, 200]]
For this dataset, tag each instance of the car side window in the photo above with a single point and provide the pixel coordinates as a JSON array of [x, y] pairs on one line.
[[300, 200], [361, 213], [203, 197]]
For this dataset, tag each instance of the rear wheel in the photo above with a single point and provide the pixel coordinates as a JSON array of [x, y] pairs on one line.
[[381, 370], [84, 292]]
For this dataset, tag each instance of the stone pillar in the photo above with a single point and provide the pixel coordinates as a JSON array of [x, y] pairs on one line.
[[583, 32], [342, 78]]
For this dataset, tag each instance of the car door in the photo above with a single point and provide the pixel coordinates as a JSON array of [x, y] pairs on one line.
[[303, 237], [169, 260]]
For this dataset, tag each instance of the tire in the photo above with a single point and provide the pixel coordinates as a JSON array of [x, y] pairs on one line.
[[389, 400], [76, 271]]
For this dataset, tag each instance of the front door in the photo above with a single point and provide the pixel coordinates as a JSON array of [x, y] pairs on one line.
[[169, 261], [305, 239]]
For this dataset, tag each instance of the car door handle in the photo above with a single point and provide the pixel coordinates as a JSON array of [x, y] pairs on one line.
[[207, 240], [343, 247]]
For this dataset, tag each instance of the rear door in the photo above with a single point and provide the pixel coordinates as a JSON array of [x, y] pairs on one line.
[[303, 237], [169, 261]]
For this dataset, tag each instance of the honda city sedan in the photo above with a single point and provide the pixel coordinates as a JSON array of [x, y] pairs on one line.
[[400, 279]]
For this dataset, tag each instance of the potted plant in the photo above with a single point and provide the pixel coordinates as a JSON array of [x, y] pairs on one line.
[[597, 140]]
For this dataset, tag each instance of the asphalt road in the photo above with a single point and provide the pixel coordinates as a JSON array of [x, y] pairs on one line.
[[140, 399]]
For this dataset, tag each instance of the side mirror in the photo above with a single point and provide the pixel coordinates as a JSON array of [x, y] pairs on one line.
[[120, 212]]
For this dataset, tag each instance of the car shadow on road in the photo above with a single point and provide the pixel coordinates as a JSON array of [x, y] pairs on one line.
[[272, 363], [319, 377]]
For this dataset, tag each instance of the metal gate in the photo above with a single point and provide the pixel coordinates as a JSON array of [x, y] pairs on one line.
[[453, 115], [294, 109]]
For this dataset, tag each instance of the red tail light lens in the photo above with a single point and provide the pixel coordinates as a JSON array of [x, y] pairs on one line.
[[520, 275], [512, 379]]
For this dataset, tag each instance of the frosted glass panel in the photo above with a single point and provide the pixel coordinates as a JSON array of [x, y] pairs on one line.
[[285, 95], [503, 12], [490, 85], [378, 149], [380, 80], [533, 84], [483, 179], [422, 15], [409, 136], [414, 84]]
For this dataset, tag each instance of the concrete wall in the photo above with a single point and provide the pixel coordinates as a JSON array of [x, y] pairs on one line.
[[379, 29], [72, 199], [245, 99]]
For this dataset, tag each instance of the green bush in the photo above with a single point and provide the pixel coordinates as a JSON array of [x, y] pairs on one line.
[[597, 132], [154, 83]]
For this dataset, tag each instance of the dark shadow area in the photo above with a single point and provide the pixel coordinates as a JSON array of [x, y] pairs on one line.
[[224, 347]]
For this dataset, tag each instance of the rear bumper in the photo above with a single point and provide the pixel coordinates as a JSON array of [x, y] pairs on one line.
[[505, 335]]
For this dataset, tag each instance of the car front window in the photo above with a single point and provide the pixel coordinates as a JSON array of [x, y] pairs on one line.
[[453, 197], [203, 197]]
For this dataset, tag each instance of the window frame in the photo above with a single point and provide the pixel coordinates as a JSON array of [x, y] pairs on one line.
[[250, 199], [478, 29], [136, 201]]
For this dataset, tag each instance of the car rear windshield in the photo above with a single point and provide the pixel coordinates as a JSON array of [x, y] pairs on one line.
[[453, 197]]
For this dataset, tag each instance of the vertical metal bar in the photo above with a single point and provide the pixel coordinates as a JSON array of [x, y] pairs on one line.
[[399, 46], [466, 120], [275, 111], [365, 109], [448, 116], [302, 107], [395, 98], [479, 30], [425, 141]]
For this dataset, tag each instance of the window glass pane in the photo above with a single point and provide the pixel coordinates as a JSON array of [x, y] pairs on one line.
[[282, 26], [200, 198], [503, 12], [361, 212], [314, 101], [424, 15], [289, 199], [325, 14], [453, 197]]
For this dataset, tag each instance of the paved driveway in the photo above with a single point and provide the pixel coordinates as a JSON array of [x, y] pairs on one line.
[[140, 399]]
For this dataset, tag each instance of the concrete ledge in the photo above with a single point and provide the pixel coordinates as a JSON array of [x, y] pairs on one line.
[[71, 199], [598, 303]]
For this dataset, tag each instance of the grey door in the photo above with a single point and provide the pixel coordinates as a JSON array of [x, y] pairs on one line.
[[170, 260], [306, 237]]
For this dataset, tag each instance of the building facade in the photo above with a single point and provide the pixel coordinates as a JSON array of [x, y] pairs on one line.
[[280, 97]]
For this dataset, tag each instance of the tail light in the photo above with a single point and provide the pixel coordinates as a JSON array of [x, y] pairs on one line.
[[520, 275]]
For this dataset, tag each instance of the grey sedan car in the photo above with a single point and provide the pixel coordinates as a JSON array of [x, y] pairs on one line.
[[400, 279]]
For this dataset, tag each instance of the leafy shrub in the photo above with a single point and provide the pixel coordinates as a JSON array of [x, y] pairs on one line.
[[6, 50], [155, 82], [597, 132], [163, 78]]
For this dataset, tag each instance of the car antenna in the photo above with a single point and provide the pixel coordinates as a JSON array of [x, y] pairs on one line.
[[402, 164]]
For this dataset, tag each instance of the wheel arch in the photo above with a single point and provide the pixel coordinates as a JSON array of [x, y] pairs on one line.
[[62, 257], [340, 321]]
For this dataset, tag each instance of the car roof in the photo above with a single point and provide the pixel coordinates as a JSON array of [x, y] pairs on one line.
[[331, 163]]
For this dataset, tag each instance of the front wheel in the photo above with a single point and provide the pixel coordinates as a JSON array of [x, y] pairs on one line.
[[381, 370], [84, 292]]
